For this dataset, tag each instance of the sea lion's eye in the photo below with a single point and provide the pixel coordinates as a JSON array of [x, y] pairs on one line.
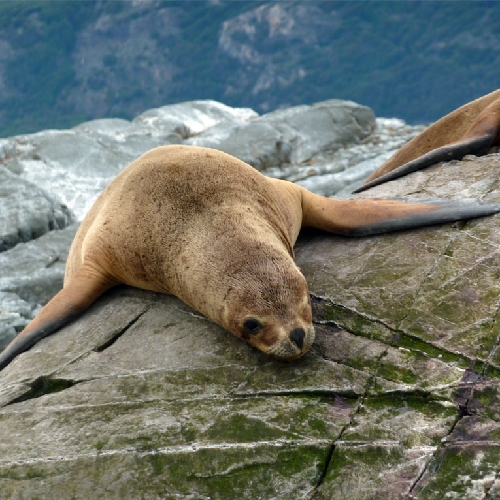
[[252, 326]]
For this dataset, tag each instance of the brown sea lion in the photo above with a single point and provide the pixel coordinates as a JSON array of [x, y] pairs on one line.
[[204, 226], [471, 129]]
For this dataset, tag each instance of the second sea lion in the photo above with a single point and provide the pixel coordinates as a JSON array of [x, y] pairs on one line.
[[471, 129]]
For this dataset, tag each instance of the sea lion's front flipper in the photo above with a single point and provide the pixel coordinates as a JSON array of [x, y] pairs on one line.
[[83, 289], [483, 133], [371, 216]]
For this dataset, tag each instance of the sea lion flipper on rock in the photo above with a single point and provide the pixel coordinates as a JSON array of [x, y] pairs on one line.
[[471, 129], [475, 146], [372, 216], [77, 296]]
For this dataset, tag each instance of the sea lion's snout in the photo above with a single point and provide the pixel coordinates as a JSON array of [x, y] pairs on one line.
[[297, 337], [294, 345], [272, 310], [285, 340]]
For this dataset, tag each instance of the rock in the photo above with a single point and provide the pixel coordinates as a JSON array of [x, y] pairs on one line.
[[15, 314], [83, 160], [27, 211], [32, 273], [298, 134], [75, 165], [192, 118], [142, 397]]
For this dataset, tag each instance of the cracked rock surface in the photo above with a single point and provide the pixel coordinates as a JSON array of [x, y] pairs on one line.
[[399, 398]]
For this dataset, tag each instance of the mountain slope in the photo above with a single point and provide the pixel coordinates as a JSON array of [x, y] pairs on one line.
[[64, 62]]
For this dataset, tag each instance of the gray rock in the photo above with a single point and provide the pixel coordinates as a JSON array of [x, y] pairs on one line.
[[27, 211], [298, 134], [32, 273], [79, 153], [142, 397], [82, 161], [259, 144], [77, 164], [15, 314], [191, 118], [125, 138]]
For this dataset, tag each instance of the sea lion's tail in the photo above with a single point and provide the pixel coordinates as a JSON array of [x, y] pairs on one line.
[[82, 290], [374, 216]]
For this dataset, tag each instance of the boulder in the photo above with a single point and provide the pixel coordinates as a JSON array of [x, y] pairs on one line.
[[32, 273], [83, 160], [75, 165], [298, 134], [192, 118], [142, 397], [27, 212]]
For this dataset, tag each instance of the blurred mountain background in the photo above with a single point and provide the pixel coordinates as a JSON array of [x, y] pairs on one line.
[[64, 62]]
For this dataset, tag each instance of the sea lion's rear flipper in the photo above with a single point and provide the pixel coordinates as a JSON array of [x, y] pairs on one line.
[[82, 290], [475, 146], [481, 136], [371, 216]]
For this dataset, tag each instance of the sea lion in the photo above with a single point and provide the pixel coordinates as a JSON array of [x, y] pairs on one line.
[[471, 129], [204, 226]]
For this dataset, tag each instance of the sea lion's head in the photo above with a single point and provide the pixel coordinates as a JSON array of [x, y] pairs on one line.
[[268, 306]]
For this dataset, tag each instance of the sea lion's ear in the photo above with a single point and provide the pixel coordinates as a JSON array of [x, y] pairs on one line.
[[372, 216]]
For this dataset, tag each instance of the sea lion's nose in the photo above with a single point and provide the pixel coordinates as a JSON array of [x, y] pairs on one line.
[[297, 337]]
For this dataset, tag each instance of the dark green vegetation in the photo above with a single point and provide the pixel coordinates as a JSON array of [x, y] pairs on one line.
[[68, 61]]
